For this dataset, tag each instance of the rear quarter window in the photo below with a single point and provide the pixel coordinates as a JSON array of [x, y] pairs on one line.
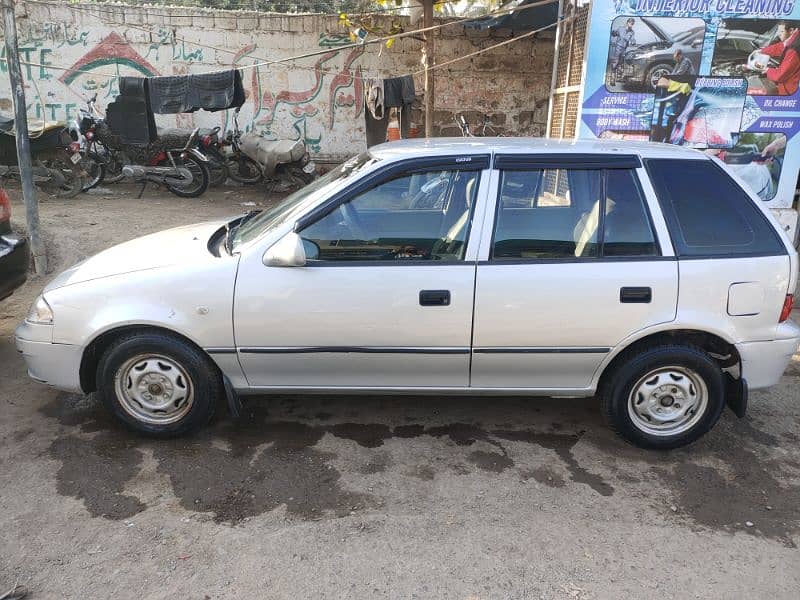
[[708, 214]]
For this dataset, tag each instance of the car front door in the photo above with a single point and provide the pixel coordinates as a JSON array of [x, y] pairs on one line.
[[570, 265], [385, 299]]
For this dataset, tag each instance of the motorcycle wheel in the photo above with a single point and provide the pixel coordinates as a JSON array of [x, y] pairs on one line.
[[244, 169], [200, 177], [95, 168], [217, 167], [68, 178], [296, 176], [114, 161]]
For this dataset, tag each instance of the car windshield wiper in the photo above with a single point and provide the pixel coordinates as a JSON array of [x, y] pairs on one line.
[[230, 230]]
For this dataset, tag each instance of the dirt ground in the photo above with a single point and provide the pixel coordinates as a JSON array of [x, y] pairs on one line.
[[376, 497]]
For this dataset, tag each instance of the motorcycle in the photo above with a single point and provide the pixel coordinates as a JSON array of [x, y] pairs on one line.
[[102, 164], [56, 159], [210, 145], [252, 158], [240, 167], [183, 170]]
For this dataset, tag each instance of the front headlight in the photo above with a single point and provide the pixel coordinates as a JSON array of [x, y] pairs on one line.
[[40, 312]]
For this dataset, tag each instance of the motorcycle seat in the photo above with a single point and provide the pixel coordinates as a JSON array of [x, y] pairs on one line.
[[182, 134], [269, 153]]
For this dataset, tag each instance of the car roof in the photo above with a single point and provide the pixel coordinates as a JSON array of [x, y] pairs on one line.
[[417, 148]]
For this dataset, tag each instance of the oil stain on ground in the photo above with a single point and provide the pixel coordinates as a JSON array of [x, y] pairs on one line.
[[269, 458]]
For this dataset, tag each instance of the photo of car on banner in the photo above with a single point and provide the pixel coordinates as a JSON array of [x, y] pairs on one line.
[[724, 82]]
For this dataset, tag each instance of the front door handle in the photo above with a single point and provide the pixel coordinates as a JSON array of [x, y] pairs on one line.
[[434, 298], [636, 295]]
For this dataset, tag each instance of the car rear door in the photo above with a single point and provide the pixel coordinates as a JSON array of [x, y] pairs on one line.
[[570, 265], [386, 297]]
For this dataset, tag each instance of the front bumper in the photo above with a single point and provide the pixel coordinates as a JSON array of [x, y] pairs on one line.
[[633, 72], [763, 363], [57, 365]]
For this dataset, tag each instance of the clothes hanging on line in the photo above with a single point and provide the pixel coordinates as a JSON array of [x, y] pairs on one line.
[[399, 91], [188, 93], [130, 115], [395, 92], [375, 121], [373, 96]]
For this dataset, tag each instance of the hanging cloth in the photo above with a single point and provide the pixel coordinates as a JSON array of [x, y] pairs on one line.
[[375, 121], [187, 93], [399, 92]]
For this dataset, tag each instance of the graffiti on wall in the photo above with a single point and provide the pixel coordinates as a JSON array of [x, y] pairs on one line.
[[64, 65]]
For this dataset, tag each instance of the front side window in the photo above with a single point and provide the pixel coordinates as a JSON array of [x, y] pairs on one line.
[[415, 216], [571, 213], [707, 212]]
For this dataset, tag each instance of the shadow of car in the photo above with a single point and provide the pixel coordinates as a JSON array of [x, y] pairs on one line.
[[14, 252]]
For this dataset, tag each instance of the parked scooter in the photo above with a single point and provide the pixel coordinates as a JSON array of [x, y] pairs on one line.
[[182, 169], [57, 167]]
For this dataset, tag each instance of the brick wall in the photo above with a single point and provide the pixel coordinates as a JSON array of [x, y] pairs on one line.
[[321, 103]]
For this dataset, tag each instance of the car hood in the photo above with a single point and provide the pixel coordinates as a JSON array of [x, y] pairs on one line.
[[165, 248]]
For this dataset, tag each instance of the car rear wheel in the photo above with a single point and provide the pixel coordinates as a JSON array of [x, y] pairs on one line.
[[664, 397], [158, 385]]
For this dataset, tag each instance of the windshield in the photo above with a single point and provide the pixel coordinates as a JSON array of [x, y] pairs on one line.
[[266, 220]]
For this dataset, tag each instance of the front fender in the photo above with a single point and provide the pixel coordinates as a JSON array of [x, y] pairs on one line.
[[194, 300]]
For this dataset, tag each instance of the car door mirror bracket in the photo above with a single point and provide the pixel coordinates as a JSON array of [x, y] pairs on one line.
[[289, 251]]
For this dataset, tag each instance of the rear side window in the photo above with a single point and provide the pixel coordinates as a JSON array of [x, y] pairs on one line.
[[564, 214], [708, 213]]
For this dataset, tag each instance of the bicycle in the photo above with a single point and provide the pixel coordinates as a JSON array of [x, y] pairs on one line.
[[485, 126]]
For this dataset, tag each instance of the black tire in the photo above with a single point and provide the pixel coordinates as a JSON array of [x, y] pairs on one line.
[[244, 169], [217, 169], [200, 177], [95, 168], [68, 178], [296, 176], [204, 378], [653, 73], [617, 402], [114, 163]]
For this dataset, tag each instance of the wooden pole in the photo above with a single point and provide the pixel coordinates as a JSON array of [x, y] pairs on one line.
[[427, 21], [22, 138]]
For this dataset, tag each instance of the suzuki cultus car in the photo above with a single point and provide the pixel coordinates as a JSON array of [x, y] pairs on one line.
[[644, 274]]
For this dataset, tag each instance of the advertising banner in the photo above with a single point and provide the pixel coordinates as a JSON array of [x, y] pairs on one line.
[[722, 76]]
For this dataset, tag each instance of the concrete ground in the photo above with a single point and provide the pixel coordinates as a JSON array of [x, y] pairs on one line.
[[376, 497]]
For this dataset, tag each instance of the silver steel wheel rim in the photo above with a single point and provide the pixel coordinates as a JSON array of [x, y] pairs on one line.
[[668, 401], [656, 75], [154, 389]]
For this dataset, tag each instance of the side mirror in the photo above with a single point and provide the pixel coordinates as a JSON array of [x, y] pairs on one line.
[[286, 252]]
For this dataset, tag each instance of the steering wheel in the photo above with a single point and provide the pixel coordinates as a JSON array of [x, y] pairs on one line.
[[352, 221], [429, 194]]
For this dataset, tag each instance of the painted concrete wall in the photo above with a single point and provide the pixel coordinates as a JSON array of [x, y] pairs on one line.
[[322, 102]]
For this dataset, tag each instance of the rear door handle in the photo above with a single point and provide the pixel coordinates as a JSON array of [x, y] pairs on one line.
[[434, 298], [636, 295]]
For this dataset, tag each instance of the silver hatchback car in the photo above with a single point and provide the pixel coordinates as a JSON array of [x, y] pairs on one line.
[[645, 274]]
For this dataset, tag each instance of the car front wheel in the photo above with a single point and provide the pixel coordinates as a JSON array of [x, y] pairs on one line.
[[664, 397], [158, 385]]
